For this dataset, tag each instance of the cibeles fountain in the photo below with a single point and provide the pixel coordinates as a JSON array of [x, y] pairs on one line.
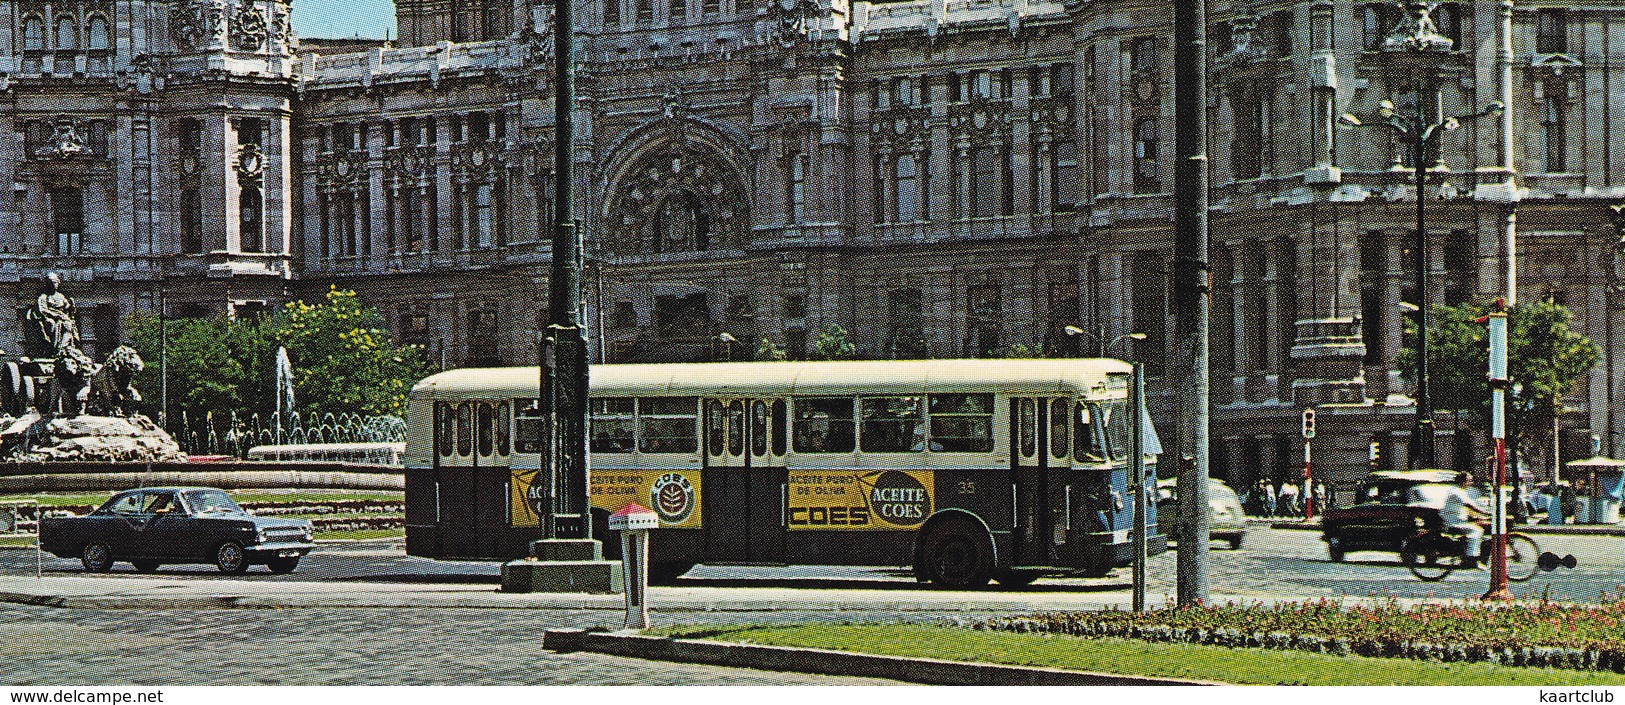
[[60, 405]]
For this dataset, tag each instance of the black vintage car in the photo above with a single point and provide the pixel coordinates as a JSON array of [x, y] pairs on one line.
[[1389, 507], [157, 525]]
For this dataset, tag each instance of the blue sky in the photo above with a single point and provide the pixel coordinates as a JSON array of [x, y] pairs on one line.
[[336, 19]]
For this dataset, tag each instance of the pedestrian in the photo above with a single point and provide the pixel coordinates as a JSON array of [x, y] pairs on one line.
[[1268, 491], [1320, 497], [1289, 500]]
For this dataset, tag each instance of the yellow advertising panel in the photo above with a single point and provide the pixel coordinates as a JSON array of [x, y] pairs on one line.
[[674, 495], [894, 500]]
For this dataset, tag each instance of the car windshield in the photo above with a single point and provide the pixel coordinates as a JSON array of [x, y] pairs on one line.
[[210, 501]]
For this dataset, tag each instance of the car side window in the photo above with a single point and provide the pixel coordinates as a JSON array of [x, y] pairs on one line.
[[128, 504], [154, 502]]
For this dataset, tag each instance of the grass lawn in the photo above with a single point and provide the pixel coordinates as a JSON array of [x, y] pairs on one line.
[[1210, 663], [17, 541]]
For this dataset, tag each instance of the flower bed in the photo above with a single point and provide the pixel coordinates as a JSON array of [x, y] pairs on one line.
[[1544, 635]]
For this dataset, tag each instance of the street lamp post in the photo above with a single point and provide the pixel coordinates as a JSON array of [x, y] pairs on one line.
[[1418, 38], [1137, 457], [1098, 338]]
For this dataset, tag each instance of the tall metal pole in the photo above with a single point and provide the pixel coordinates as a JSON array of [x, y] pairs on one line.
[[1191, 290], [1142, 495], [564, 363], [1423, 457], [1498, 384]]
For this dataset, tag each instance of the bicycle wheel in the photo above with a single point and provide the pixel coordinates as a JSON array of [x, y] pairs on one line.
[[1523, 558], [1423, 558]]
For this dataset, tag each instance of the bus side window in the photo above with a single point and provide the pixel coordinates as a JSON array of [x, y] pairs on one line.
[[1057, 428], [502, 428], [487, 429], [668, 425], [962, 423], [465, 428], [1083, 435], [443, 428], [824, 425], [892, 425], [612, 425], [1029, 427], [713, 427], [527, 426], [736, 427], [758, 428], [781, 423]]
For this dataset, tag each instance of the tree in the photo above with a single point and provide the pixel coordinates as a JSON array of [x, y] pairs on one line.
[[343, 362], [769, 351], [831, 344], [343, 359], [1545, 361]]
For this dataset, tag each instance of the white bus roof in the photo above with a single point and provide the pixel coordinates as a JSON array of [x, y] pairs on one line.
[[1061, 377]]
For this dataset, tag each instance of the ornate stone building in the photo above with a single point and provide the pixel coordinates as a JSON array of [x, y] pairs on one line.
[[939, 177]]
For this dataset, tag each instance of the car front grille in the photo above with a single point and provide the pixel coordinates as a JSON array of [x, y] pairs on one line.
[[289, 535]]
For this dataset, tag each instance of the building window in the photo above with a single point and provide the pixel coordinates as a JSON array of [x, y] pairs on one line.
[[625, 316], [795, 306], [797, 187], [908, 196], [880, 188], [1552, 124], [1251, 143], [415, 331], [1373, 273], [990, 182], [677, 11], [711, 7], [1379, 20], [612, 11], [191, 221], [479, 216], [1146, 178], [67, 219], [1064, 171], [1447, 16], [482, 338], [982, 316], [97, 36], [1278, 32], [66, 36], [1064, 310], [905, 324], [1143, 55], [33, 34], [98, 138], [1551, 32], [646, 10], [252, 234]]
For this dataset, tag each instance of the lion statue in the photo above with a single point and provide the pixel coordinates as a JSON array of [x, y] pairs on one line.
[[110, 390]]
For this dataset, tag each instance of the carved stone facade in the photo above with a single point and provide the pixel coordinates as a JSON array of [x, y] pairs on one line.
[[938, 178]]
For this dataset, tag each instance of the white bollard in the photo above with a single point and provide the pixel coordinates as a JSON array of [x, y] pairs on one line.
[[634, 523]]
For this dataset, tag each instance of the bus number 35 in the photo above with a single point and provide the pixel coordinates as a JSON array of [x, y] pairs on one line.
[[967, 487]]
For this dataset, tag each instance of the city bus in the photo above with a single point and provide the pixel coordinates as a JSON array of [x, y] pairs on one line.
[[963, 470]]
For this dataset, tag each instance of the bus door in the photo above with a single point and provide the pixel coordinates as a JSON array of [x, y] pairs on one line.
[[454, 476], [491, 476], [726, 482], [744, 482], [1030, 533]]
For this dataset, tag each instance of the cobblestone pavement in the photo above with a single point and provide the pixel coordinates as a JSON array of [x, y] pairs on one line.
[[50, 646]]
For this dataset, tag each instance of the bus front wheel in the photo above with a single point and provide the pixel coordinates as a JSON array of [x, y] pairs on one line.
[[956, 554]]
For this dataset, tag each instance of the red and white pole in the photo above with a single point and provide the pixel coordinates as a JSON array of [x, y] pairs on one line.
[[1498, 385]]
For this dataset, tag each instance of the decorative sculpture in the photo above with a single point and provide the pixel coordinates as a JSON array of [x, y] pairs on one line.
[[50, 325], [110, 393]]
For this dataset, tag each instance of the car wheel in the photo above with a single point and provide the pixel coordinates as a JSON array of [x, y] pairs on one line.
[[97, 558], [957, 554], [146, 566], [282, 566], [1334, 549], [231, 559]]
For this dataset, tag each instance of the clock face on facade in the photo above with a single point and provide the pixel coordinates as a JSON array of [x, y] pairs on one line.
[[251, 163], [1145, 89], [478, 158]]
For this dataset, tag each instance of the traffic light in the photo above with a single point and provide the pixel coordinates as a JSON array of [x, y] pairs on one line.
[[1308, 423]]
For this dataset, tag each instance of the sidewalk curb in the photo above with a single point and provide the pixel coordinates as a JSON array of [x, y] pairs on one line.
[[1537, 529], [832, 663]]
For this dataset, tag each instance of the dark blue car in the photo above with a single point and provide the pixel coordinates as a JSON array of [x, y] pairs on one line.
[[153, 526]]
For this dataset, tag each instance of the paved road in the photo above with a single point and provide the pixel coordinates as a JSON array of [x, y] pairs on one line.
[[1273, 563]]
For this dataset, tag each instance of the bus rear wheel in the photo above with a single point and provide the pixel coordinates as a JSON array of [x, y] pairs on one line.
[[956, 554]]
